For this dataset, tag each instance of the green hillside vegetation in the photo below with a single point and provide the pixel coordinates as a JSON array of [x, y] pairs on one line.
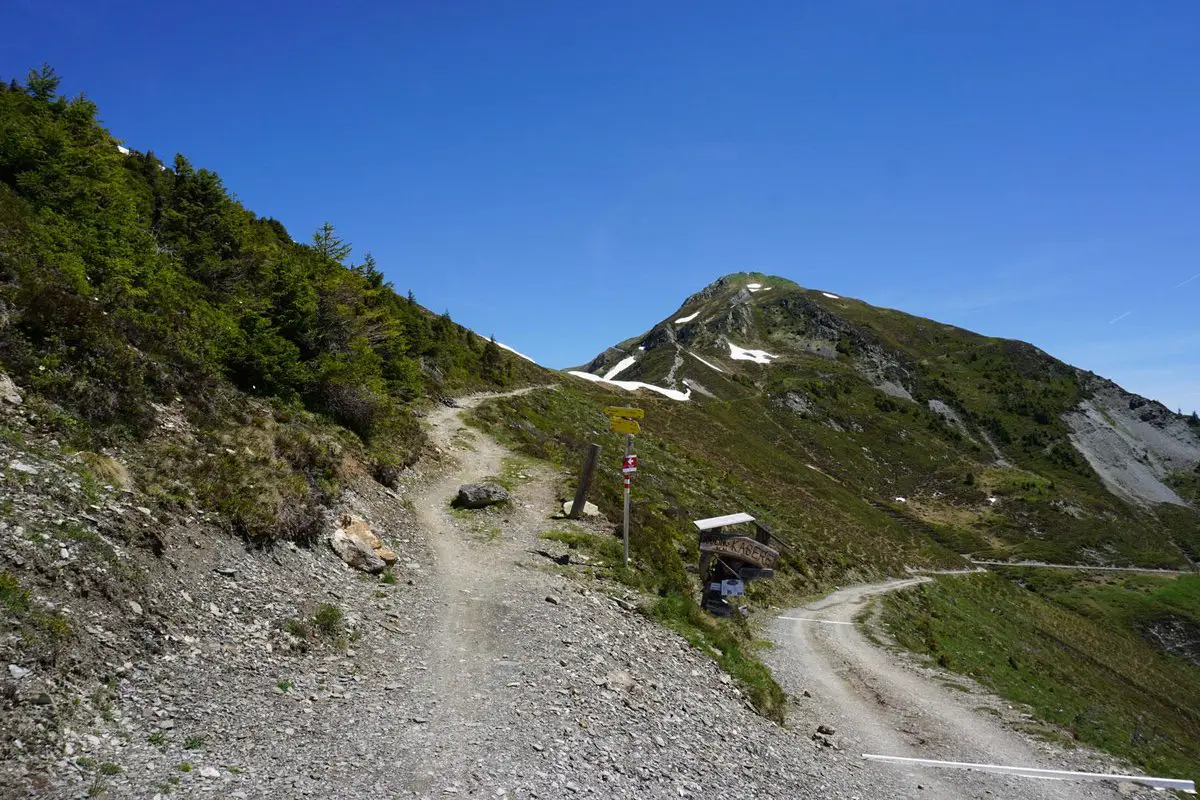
[[703, 461], [1017, 395], [819, 403], [127, 284], [1072, 647], [860, 483]]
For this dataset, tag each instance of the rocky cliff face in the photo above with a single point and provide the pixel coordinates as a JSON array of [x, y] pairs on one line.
[[1131, 442]]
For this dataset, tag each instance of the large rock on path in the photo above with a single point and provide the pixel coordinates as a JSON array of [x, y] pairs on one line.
[[480, 495], [355, 552], [358, 546]]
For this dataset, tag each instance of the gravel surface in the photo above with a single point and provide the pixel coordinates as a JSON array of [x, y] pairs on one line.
[[485, 670], [884, 703]]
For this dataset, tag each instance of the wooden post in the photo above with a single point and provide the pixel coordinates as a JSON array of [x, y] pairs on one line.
[[628, 453], [585, 481]]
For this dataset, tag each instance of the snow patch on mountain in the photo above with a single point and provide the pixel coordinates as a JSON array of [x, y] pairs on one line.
[[621, 366], [688, 318], [831, 296], [742, 354], [514, 352], [708, 364], [631, 386]]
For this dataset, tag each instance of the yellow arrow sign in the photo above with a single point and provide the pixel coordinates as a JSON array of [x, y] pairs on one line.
[[627, 413], [625, 425]]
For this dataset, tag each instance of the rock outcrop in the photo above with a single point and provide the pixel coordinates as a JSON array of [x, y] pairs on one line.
[[8, 391], [359, 546], [480, 495]]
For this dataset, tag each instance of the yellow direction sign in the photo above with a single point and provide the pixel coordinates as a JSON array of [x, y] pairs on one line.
[[625, 425], [627, 413]]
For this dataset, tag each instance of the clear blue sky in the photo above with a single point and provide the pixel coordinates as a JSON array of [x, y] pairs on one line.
[[562, 174]]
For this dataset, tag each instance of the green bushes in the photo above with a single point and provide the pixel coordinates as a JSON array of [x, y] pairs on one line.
[[123, 285], [126, 283], [327, 623]]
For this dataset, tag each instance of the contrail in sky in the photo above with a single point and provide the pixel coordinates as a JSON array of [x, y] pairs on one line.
[[1189, 280], [1118, 319]]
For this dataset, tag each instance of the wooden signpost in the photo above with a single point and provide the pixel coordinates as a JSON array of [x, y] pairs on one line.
[[729, 559], [624, 420], [585, 481], [743, 548]]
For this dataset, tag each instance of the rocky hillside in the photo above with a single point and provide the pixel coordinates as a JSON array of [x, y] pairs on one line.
[[1004, 450], [177, 375]]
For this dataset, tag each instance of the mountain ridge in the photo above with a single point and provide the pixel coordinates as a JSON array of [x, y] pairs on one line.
[[1004, 403]]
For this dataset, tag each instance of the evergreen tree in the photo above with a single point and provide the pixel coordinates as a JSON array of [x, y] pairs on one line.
[[327, 243], [42, 84], [369, 269]]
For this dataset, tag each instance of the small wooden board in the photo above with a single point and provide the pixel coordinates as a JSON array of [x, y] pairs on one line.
[[745, 549]]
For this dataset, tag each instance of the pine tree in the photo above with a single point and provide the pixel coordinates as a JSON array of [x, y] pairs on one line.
[[327, 243], [42, 84], [369, 269]]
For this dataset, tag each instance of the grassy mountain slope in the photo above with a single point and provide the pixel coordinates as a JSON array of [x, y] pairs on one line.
[[1092, 655], [128, 286], [985, 439], [875, 440]]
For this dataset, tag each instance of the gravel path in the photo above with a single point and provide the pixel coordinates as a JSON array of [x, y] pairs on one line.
[[883, 703], [485, 670]]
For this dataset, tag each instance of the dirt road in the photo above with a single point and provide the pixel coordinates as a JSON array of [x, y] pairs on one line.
[[880, 703], [472, 654]]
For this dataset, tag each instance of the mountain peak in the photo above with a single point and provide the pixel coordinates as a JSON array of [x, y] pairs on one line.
[[736, 283], [838, 363]]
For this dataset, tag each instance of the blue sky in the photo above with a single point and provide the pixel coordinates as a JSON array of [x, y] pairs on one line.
[[562, 174]]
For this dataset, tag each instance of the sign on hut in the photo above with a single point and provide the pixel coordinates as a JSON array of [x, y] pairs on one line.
[[731, 558]]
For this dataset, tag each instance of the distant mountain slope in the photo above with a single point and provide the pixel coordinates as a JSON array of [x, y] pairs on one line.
[[1007, 450]]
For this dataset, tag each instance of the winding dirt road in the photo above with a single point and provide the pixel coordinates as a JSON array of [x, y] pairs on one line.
[[880, 703]]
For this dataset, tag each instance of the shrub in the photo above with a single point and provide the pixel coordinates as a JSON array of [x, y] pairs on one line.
[[329, 619]]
